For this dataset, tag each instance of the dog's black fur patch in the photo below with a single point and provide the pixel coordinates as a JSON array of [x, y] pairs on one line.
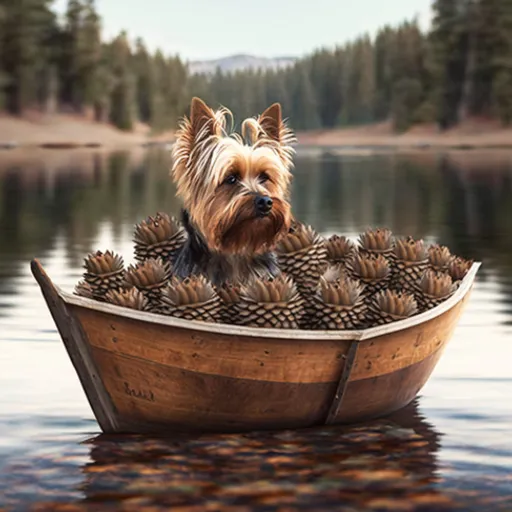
[[195, 258]]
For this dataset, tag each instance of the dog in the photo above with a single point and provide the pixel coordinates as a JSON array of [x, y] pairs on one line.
[[235, 193]]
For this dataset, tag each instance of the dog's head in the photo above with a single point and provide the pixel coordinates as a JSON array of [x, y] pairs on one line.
[[235, 187]]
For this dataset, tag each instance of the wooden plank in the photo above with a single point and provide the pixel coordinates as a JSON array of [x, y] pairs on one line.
[[296, 334], [166, 373], [379, 396], [342, 384], [182, 399], [211, 353], [392, 352], [76, 344]]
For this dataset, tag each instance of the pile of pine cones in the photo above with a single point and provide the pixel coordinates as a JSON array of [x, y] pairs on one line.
[[326, 284]]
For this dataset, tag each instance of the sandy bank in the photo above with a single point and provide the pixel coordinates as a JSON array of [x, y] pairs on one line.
[[473, 134], [64, 131]]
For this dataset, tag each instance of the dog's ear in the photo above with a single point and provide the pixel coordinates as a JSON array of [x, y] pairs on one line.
[[271, 121], [200, 116], [273, 129]]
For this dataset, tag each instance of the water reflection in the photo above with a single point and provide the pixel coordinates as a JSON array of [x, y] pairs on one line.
[[57, 206], [387, 464], [454, 198], [390, 464], [319, 467]]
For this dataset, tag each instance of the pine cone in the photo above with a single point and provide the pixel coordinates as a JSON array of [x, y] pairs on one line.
[[193, 298], [128, 298], [104, 272], [230, 297], [439, 257], [150, 277], [271, 303], [378, 242], [373, 271], [459, 267], [333, 274], [390, 306], [84, 289], [411, 261], [303, 256], [339, 303], [434, 288], [341, 250], [160, 236]]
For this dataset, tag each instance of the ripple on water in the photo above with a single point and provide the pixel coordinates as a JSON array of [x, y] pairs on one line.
[[452, 451]]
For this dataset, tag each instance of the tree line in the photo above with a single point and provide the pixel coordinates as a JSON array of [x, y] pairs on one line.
[[52, 64], [460, 68]]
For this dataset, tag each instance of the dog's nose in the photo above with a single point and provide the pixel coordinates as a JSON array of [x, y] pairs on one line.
[[263, 205]]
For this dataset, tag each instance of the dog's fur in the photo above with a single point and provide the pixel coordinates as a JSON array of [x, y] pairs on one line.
[[218, 177]]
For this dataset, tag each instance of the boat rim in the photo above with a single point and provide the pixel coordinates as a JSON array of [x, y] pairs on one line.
[[258, 332]]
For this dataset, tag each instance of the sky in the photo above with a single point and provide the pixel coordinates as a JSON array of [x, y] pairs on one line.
[[209, 29]]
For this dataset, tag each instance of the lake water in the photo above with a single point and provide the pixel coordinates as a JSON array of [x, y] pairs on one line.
[[451, 449]]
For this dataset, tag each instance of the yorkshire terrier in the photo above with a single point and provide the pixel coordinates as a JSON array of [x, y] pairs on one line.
[[235, 193]]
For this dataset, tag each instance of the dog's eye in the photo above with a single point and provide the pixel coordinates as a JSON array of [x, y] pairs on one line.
[[264, 177], [231, 179]]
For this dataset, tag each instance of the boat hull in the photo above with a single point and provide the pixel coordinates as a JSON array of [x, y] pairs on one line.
[[146, 373]]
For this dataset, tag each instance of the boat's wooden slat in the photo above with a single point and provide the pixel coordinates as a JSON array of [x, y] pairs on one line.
[[141, 373], [342, 384], [77, 346], [392, 352], [211, 353], [180, 398], [249, 332], [369, 398]]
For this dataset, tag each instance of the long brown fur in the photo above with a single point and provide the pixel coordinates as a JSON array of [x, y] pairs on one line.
[[205, 154]]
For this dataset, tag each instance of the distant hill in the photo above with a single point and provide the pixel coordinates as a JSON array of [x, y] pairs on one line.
[[239, 63]]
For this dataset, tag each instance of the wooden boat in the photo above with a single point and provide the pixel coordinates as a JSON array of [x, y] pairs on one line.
[[148, 373]]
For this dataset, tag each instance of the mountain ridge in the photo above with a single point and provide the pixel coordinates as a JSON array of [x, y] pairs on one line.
[[239, 62]]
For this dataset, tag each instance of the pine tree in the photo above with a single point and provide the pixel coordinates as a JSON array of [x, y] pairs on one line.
[[158, 116], [501, 61], [70, 67], [366, 85], [197, 85], [244, 83], [358, 83], [449, 43], [144, 73], [90, 54], [384, 46], [461, 68], [484, 48], [4, 78], [122, 108], [304, 110], [105, 84], [259, 93], [470, 21], [276, 90], [81, 54], [175, 91], [28, 26], [410, 77], [502, 95], [326, 77], [407, 94]]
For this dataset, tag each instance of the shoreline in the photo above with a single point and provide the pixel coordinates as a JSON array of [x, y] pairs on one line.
[[474, 134], [72, 132], [61, 132]]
